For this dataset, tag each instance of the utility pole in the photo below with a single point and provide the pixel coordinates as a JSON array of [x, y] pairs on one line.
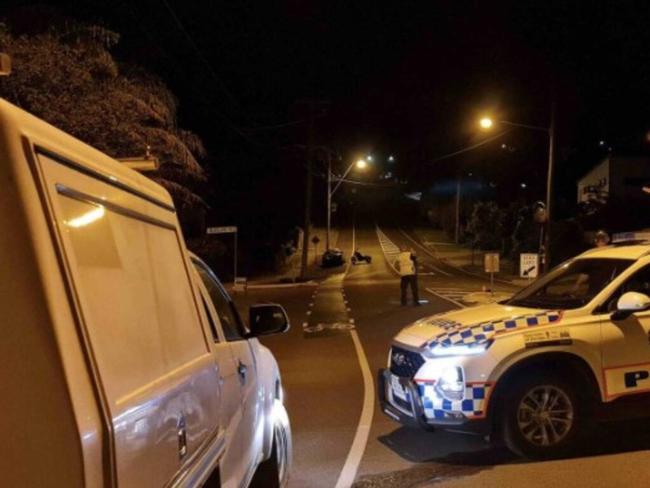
[[316, 109], [457, 229], [329, 199], [308, 191], [549, 189]]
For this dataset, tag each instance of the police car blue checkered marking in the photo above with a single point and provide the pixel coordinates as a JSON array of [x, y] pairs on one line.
[[478, 334], [436, 406]]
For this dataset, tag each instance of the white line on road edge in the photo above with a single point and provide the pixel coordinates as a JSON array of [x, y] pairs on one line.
[[280, 285], [349, 471], [446, 298], [358, 447]]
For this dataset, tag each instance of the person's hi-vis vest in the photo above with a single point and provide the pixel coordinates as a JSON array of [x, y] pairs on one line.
[[405, 264]]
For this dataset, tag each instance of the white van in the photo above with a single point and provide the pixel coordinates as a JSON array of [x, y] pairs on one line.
[[123, 361]]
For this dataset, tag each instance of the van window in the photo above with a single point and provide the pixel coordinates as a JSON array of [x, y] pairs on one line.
[[135, 294], [227, 315]]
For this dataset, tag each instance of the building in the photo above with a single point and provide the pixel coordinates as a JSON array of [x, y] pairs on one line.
[[624, 179]]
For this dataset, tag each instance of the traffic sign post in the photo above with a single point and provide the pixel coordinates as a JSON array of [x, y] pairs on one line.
[[228, 229], [315, 240], [491, 261], [529, 265]]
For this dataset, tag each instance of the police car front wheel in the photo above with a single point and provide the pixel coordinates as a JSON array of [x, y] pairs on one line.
[[542, 418]]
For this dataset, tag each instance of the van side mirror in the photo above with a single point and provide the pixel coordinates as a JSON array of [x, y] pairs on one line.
[[630, 303], [266, 319]]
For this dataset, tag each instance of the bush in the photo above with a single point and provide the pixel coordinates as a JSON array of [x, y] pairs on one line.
[[485, 226]]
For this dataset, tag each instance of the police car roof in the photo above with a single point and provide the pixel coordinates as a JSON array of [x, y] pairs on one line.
[[634, 250]]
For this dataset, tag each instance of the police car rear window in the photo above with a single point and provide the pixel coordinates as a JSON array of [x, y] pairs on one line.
[[571, 285]]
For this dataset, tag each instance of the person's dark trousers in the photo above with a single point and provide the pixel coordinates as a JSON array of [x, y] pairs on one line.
[[412, 281]]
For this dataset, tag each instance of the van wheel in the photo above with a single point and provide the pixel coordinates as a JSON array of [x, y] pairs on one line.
[[274, 472], [542, 418]]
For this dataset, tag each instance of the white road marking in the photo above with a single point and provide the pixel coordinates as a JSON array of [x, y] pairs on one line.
[[358, 447], [430, 290], [349, 471], [426, 251]]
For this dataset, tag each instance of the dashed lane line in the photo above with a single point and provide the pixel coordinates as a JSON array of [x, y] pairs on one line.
[[444, 297]]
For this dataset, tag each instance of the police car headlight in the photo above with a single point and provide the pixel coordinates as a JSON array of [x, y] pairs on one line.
[[451, 383], [459, 350]]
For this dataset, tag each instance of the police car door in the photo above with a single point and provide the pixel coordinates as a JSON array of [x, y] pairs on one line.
[[626, 343]]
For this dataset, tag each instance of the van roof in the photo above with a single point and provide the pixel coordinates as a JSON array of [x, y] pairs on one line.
[[16, 123]]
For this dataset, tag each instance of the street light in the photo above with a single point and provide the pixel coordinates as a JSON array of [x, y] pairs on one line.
[[360, 164], [391, 159], [487, 123]]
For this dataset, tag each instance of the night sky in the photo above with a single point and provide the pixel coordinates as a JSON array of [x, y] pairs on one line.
[[407, 78]]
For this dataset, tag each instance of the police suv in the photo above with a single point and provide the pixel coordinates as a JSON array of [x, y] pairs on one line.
[[535, 369]]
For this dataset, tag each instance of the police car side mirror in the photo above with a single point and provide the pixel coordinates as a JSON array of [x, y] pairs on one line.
[[630, 303], [267, 319]]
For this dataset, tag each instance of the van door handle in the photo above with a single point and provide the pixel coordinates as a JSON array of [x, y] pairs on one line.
[[242, 369], [182, 437]]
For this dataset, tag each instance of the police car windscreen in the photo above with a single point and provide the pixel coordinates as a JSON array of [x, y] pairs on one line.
[[571, 285]]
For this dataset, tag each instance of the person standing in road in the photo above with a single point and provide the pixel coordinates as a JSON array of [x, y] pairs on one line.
[[601, 239], [407, 265]]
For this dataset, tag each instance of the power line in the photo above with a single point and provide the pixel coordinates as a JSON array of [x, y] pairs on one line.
[[203, 59], [469, 148]]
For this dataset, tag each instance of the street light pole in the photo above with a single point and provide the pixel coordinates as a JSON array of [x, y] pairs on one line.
[[486, 123], [331, 191], [549, 188], [329, 200], [457, 229]]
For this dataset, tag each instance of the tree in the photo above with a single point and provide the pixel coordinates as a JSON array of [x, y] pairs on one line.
[[68, 77], [485, 226]]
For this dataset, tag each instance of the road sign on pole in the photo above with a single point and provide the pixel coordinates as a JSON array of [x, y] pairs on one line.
[[491, 261], [529, 265], [227, 229]]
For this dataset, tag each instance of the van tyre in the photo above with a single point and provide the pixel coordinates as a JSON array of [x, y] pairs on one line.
[[543, 417], [274, 472]]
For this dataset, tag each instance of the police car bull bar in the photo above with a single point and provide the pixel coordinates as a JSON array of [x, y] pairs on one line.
[[411, 413]]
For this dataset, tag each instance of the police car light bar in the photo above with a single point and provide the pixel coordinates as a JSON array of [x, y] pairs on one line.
[[630, 236]]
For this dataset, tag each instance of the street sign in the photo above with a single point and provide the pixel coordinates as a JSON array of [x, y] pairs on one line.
[[529, 265], [229, 229], [491, 261], [241, 283]]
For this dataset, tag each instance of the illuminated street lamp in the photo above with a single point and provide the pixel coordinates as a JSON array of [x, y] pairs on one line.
[[360, 164], [369, 157], [487, 123], [391, 159]]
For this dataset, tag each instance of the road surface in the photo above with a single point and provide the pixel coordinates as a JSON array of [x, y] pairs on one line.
[[340, 337]]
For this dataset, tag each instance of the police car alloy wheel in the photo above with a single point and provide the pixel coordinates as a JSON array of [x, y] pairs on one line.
[[542, 418]]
